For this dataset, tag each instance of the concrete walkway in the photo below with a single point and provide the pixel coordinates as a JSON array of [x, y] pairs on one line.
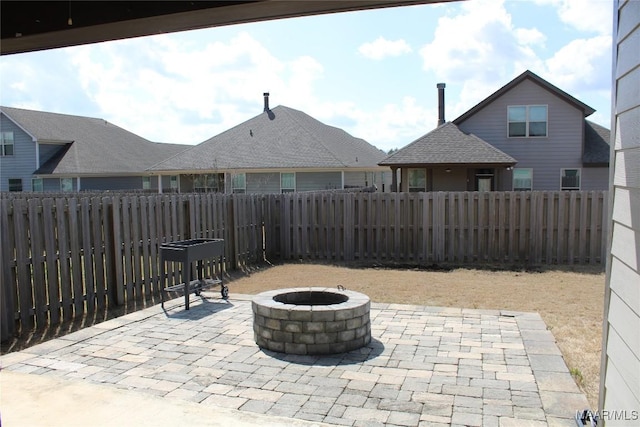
[[425, 366]]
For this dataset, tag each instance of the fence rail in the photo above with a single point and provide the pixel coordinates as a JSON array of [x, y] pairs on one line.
[[67, 256]]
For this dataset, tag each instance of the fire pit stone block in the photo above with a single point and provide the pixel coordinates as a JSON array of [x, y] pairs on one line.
[[311, 320]]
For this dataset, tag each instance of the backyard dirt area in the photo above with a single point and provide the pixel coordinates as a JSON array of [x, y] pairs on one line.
[[570, 300]]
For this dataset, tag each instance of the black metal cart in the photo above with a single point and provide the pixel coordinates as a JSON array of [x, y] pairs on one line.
[[186, 252]]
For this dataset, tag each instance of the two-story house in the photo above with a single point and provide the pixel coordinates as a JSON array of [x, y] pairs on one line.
[[528, 135], [41, 151], [279, 150]]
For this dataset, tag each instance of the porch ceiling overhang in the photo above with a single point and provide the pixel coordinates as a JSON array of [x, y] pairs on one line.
[[36, 25]]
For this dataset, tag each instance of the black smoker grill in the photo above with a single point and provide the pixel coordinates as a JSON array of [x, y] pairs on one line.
[[186, 252]]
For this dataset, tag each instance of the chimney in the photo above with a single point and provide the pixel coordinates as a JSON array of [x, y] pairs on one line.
[[266, 101], [440, 87]]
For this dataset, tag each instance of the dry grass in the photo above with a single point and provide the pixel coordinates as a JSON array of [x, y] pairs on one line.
[[570, 302]]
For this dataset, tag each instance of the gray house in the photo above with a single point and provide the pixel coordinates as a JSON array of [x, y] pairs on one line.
[[43, 151], [540, 139], [279, 150]]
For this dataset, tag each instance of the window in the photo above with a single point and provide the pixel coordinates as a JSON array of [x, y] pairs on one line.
[[239, 183], [203, 183], [522, 179], [66, 184], [570, 179], [146, 183], [6, 143], [417, 180], [288, 182], [173, 182], [15, 184], [37, 185], [527, 121]]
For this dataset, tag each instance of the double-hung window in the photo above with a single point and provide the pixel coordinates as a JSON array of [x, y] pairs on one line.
[[522, 179], [287, 182], [239, 183], [570, 179], [173, 182], [66, 184], [15, 184], [37, 185], [527, 121], [146, 183], [417, 180], [6, 143]]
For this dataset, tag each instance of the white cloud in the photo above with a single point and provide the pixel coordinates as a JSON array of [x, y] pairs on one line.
[[382, 48], [166, 83], [584, 15]]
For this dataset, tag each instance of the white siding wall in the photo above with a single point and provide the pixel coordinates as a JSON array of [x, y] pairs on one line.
[[620, 376], [565, 134]]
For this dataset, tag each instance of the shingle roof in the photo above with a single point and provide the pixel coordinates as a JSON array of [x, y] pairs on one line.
[[280, 138], [448, 145], [94, 146], [535, 79], [596, 144]]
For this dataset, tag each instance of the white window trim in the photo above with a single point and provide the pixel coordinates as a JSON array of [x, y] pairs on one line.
[[513, 176], [294, 182], [526, 126], [3, 145], [579, 179]]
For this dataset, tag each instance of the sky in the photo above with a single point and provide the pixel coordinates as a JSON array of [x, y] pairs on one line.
[[372, 73]]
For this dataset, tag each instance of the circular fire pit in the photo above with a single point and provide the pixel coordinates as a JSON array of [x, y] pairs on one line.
[[311, 320]]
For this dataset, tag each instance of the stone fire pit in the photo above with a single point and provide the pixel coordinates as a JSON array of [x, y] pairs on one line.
[[311, 320]]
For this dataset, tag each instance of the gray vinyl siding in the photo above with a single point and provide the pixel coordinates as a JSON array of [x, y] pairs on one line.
[[263, 182], [382, 180], [47, 151], [620, 368], [595, 179], [115, 183], [312, 181], [564, 133], [22, 163], [51, 185]]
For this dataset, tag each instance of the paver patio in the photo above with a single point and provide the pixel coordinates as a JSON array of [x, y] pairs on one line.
[[424, 366]]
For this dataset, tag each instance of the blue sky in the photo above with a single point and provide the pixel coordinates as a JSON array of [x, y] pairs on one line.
[[371, 73]]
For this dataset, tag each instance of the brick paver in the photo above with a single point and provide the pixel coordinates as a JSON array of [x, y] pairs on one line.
[[424, 366]]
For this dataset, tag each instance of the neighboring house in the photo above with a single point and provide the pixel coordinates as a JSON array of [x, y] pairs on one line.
[[279, 150], [528, 135], [43, 151]]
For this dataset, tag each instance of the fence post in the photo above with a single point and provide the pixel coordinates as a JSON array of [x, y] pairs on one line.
[[7, 289]]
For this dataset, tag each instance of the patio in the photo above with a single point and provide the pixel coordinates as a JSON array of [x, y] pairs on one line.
[[424, 366]]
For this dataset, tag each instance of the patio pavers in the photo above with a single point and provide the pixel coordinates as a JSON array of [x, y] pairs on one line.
[[424, 366]]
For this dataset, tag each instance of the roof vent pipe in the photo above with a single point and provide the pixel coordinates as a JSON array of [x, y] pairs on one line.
[[266, 101], [440, 87]]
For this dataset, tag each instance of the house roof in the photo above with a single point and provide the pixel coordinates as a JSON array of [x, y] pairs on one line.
[[279, 138], [596, 144], [527, 75], [447, 144], [93, 146]]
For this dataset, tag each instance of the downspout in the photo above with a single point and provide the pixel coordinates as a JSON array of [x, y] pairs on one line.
[[159, 184]]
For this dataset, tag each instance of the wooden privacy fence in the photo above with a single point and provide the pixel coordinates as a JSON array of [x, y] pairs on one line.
[[426, 228], [67, 256]]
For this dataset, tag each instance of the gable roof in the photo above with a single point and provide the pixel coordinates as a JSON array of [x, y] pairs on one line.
[[279, 138], [596, 144], [527, 75], [93, 146], [448, 145]]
